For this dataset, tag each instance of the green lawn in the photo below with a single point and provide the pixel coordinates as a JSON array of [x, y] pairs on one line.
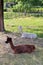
[[29, 24]]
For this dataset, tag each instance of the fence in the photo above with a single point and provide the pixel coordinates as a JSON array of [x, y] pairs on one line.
[[8, 15]]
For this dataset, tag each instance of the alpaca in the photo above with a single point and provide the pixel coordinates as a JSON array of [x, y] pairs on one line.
[[28, 35], [20, 48], [20, 29]]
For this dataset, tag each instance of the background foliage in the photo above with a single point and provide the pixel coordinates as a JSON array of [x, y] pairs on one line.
[[25, 5]]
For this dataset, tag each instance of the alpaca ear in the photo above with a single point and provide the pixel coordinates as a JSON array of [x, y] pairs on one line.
[[9, 37]]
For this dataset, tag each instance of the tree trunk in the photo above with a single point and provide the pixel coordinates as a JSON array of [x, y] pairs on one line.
[[1, 16]]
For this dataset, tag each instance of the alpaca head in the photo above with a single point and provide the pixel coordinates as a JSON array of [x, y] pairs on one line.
[[9, 39]]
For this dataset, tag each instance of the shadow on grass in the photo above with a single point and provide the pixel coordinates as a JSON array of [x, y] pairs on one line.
[[40, 35], [39, 32], [6, 31], [17, 34]]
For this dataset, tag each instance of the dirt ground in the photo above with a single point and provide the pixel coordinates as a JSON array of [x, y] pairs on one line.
[[16, 37]]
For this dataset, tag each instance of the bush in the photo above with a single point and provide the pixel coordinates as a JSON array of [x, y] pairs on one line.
[[5, 10]]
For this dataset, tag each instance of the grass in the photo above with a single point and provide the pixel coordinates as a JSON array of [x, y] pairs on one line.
[[8, 58], [29, 24], [35, 58], [23, 59]]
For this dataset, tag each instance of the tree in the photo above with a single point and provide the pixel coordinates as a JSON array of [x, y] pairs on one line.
[[1, 16], [36, 2]]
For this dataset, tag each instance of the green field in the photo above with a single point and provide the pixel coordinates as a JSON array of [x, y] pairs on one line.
[[29, 24]]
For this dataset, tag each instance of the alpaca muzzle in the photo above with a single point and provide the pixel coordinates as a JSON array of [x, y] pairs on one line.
[[6, 42]]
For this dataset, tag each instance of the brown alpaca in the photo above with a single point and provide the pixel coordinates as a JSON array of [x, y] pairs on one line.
[[20, 48]]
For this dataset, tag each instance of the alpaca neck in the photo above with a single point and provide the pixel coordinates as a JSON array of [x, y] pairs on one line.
[[11, 44]]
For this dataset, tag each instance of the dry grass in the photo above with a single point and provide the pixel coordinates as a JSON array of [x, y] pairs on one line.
[[8, 58]]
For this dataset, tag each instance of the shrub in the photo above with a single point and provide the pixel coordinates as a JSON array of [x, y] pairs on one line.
[[5, 9]]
